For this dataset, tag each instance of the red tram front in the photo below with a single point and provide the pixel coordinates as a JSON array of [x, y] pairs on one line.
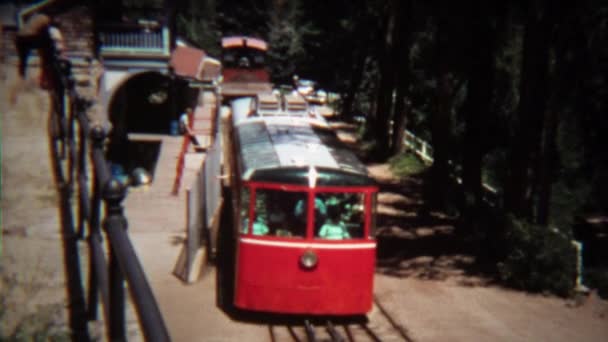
[[304, 211], [243, 59]]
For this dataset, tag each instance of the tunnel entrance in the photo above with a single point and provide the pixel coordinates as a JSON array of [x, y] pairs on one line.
[[143, 108], [143, 104]]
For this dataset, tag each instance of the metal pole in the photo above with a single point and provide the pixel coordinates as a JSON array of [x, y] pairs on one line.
[[83, 193], [113, 193], [123, 254], [94, 239], [98, 274], [94, 235]]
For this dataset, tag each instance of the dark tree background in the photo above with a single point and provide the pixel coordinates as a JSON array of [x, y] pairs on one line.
[[514, 90]]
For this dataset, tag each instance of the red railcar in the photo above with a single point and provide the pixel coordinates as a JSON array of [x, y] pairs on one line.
[[303, 211], [244, 70]]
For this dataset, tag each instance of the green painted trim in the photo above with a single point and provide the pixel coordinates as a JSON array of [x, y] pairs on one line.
[[133, 51], [166, 37]]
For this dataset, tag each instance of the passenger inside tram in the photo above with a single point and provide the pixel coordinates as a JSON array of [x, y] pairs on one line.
[[334, 228], [320, 211], [283, 214], [274, 210], [260, 228]]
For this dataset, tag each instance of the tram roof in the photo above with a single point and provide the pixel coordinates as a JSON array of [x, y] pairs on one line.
[[284, 149], [243, 41]]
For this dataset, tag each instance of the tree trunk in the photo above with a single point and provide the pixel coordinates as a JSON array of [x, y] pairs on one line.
[[356, 78], [436, 189], [477, 108], [564, 83], [529, 125], [544, 179], [387, 79], [403, 77]]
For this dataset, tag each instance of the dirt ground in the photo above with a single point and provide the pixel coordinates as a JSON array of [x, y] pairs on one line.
[[32, 286], [424, 281]]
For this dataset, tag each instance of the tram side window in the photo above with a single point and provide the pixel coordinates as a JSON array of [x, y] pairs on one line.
[[274, 209], [345, 217], [244, 210]]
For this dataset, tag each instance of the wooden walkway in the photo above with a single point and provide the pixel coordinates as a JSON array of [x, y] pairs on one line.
[[157, 222], [204, 116], [154, 207]]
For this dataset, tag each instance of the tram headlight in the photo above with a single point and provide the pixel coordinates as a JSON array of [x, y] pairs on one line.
[[309, 259]]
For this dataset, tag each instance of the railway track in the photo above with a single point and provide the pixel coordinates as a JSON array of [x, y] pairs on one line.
[[379, 326]]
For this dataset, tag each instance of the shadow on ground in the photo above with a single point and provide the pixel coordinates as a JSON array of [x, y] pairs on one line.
[[77, 308], [413, 242]]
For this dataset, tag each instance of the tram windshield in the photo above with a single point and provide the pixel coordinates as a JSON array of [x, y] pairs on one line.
[[280, 213], [243, 58], [344, 216]]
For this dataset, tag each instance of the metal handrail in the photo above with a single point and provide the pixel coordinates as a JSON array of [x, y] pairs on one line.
[[105, 278]]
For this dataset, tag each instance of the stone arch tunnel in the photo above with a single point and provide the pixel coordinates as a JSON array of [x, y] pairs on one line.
[[138, 102], [144, 104]]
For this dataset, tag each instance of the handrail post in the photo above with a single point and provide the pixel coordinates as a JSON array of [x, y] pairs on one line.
[[83, 193], [114, 192], [98, 137]]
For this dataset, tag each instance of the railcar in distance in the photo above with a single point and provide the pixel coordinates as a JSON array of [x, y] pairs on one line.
[[244, 69], [303, 210]]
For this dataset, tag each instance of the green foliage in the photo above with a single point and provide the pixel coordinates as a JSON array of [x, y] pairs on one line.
[[537, 258], [406, 164], [597, 278], [249, 18], [568, 199], [286, 35], [572, 186], [494, 167], [197, 23]]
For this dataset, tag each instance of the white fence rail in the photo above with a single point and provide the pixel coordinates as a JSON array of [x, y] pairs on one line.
[[424, 150]]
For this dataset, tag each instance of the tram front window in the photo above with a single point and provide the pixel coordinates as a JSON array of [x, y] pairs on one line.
[[275, 210], [344, 216], [236, 57], [279, 213]]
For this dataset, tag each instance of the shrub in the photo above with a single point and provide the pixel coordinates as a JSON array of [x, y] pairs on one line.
[[406, 164], [537, 258]]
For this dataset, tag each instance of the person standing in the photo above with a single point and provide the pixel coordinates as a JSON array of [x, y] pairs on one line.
[[34, 34], [184, 126]]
